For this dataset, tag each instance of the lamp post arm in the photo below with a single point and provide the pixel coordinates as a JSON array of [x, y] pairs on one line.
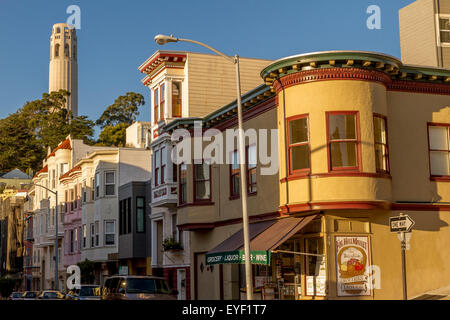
[[49, 190], [231, 59]]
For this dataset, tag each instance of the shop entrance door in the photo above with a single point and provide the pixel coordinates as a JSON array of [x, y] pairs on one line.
[[206, 279]]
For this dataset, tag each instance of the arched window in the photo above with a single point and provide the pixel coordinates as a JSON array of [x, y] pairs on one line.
[[57, 50], [66, 50], [58, 30]]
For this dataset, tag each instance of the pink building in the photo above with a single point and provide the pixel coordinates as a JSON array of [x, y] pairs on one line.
[[71, 207]]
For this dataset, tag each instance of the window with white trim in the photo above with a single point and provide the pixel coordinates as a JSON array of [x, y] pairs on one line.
[[97, 235], [110, 183], [443, 29], [110, 227], [439, 150]]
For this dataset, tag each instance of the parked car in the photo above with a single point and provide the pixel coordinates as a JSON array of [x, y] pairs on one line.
[[51, 295], [137, 288], [15, 296], [30, 295], [85, 292]]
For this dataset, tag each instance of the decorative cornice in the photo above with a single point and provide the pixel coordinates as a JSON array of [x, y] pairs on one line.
[[420, 87], [330, 74]]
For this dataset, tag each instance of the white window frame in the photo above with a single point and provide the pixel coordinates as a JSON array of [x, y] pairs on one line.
[[109, 184], [84, 236], [97, 233], [92, 233], [109, 233], [438, 30], [97, 185]]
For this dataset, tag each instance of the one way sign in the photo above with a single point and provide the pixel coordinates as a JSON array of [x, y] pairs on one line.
[[402, 223]]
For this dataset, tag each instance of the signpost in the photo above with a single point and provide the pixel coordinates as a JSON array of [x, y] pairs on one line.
[[402, 224]]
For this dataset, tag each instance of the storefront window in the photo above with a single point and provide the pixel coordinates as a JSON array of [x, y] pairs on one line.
[[315, 267]]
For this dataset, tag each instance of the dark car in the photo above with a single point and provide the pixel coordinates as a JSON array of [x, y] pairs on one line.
[[15, 296], [85, 292], [137, 288], [30, 295]]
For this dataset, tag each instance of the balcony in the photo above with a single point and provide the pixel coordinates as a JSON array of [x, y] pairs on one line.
[[165, 195]]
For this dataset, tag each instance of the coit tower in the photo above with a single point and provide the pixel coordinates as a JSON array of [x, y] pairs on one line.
[[63, 70]]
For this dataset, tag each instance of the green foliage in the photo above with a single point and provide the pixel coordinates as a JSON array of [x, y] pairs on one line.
[[113, 135], [87, 271], [123, 110], [26, 134], [171, 244]]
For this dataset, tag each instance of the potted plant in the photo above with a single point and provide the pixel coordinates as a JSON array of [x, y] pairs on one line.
[[170, 244]]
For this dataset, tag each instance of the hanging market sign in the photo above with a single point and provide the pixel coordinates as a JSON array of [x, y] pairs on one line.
[[352, 259], [238, 256]]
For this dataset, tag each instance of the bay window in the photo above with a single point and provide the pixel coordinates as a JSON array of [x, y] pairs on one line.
[[97, 185], [343, 140], [162, 100], [298, 144], [110, 183], [110, 232], [176, 99], [163, 164], [439, 149], [183, 184], [156, 105], [157, 160], [381, 148], [202, 182], [251, 168], [140, 214]]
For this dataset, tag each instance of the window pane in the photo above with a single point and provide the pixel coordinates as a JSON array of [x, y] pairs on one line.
[[235, 160], [109, 239], [110, 177], [343, 154], [342, 126], [110, 227], [236, 185], [109, 190], [380, 157], [438, 138], [183, 173], [202, 171], [252, 155], [298, 130], [300, 157], [380, 130], [202, 190], [140, 219], [140, 202], [445, 36], [444, 24], [439, 163]]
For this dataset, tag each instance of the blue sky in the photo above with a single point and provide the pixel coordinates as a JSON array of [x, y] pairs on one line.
[[117, 36]]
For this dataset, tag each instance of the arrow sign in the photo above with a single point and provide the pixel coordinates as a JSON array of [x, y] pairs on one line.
[[401, 223]]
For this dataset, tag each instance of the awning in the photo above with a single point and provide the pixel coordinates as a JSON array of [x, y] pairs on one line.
[[264, 237]]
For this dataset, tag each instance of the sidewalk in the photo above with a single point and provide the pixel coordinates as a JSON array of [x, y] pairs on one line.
[[437, 294]]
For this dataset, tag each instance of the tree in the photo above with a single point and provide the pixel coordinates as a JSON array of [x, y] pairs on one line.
[[87, 271], [26, 134], [114, 135], [123, 110]]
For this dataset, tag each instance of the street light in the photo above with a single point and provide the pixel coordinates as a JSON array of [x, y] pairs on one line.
[[162, 40], [56, 232]]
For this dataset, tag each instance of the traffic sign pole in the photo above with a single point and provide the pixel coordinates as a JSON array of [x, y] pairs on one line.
[[403, 244]]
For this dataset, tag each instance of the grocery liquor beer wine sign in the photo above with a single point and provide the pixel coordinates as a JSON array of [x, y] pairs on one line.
[[352, 265]]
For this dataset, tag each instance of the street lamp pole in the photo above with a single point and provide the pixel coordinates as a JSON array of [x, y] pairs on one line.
[[56, 232], [161, 40]]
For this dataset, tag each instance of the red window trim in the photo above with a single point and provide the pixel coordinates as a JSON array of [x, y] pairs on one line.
[[358, 167], [162, 100], [298, 172], [163, 166], [196, 201], [180, 203], [388, 162], [156, 105], [237, 196], [438, 178]]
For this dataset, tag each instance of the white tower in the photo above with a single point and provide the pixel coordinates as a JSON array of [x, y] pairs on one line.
[[63, 70]]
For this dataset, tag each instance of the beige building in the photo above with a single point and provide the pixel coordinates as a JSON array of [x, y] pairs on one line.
[[366, 138], [425, 33], [63, 69]]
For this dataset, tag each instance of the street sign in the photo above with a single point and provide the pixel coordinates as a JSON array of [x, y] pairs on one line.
[[402, 223]]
